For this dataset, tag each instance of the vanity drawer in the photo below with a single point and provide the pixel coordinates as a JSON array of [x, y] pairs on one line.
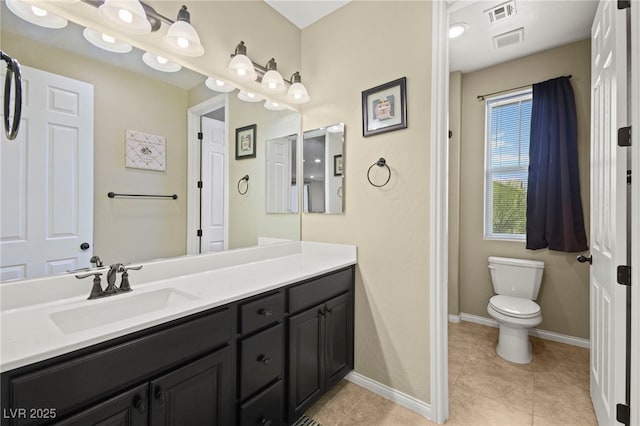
[[74, 383], [261, 312], [261, 360], [318, 290], [266, 408]]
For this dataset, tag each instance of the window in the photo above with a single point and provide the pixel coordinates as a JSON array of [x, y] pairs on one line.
[[508, 122]]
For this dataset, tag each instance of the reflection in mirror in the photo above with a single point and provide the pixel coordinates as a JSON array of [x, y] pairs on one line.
[[281, 187], [125, 97], [323, 170]]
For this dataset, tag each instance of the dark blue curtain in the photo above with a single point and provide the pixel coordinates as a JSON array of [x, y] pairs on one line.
[[554, 207]]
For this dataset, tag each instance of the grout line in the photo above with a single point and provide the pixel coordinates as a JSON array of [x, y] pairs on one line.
[[346, 415]]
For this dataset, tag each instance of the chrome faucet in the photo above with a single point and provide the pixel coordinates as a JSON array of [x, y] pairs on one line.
[[96, 289]]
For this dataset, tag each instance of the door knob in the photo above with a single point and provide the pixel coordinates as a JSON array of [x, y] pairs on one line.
[[84, 246], [583, 259]]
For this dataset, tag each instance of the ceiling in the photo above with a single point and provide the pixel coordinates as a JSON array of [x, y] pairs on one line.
[[303, 13], [546, 23]]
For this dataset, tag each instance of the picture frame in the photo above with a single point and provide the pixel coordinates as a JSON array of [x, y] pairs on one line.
[[246, 142], [338, 165], [384, 108], [145, 151]]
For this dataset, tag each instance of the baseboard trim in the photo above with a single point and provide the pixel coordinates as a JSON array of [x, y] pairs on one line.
[[543, 334], [400, 398], [454, 318]]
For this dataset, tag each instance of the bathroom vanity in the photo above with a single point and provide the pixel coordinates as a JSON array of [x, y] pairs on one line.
[[244, 343]]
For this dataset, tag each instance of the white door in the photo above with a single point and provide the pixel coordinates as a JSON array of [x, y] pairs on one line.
[[608, 211], [47, 180], [278, 179], [213, 185]]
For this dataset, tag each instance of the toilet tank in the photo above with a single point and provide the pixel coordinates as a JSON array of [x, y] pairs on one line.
[[516, 277]]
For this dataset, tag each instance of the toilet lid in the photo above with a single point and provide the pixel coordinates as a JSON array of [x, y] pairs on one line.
[[515, 306]]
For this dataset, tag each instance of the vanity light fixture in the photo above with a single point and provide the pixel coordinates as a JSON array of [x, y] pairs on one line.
[[106, 41], [126, 15], [273, 105], [249, 96], [36, 15], [182, 38], [160, 63], [457, 29], [272, 80], [297, 92], [241, 66], [219, 85]]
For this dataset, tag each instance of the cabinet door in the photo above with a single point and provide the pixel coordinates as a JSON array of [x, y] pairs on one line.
[[200, 393], [306, 369], [127, 409], [338, 338]]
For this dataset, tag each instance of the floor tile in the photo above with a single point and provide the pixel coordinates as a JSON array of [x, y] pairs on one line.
[[374, 410], [468, 408], [569, 403], [337, 403]]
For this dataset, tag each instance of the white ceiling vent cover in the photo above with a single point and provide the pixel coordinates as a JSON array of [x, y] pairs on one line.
[[501, 11], [509, 38]]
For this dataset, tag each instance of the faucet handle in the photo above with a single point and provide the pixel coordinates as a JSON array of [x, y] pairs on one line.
[[133, 268], [124, 284], [96, 289]]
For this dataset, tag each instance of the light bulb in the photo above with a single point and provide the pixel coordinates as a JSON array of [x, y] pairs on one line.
[[125, 16], [297, 95], [38, 12], [108, 39], [241, 72], [182, 42], [317, 160], [251, 95], [219, 83], [272, 85], [162, 60]]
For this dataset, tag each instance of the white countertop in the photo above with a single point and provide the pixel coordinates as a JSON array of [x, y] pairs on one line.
[[29, 334]]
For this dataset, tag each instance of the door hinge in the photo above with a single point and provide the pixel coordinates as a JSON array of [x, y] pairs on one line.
[[624, 4], [628, 177], [200, 135], [200, 184], [624, 274], [624, 136], [623, 413], [199, 232]]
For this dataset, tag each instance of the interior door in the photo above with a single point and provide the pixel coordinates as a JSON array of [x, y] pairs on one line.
[[213, 185], [278, 185], [608, 210], [48, 169]]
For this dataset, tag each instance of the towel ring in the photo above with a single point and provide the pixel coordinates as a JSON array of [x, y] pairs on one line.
[[380, 163], [13, 75], [246, 179]]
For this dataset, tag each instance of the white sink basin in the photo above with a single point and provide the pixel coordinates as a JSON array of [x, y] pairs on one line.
[[115, 308]]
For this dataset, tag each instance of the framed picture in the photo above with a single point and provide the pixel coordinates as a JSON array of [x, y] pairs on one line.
[[145, 151], [337, 165], [246, 142], [384, 108]]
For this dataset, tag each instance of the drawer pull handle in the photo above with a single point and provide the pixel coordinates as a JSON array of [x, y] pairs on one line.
[[265, 421], [267, 312], [161, 395], [264, 359], [139, 404]]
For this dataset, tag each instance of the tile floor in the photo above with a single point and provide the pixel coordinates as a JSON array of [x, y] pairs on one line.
[[483, 388]]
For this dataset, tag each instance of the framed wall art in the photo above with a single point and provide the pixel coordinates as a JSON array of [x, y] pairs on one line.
[[246, 142], [145, 151], [384, 108]]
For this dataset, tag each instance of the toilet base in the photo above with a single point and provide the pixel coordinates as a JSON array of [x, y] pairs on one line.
[[513, 345]]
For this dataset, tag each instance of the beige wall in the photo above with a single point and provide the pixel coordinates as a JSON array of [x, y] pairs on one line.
[[360, 46], [455, 124], [126, 230], [564, 297]]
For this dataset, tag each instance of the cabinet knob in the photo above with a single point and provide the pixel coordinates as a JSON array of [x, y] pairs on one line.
[[139, 404], [161, 396], [264, 359], [265, 421], [267, 312]]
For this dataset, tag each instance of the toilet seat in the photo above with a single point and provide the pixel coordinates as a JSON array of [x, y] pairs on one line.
[[515, 307]]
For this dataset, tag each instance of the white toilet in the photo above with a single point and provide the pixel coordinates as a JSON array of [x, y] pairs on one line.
[[516, 283]]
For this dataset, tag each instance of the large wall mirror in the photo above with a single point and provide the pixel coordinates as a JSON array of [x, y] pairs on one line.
[[323, 170], [127, 95]]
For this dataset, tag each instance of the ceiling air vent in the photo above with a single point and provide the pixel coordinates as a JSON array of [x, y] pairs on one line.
[[508, 38], [501, 11]]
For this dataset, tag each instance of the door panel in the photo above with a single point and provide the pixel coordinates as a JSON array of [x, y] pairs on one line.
[[213, 182], [608, 210], [339, 338], [278, 185]]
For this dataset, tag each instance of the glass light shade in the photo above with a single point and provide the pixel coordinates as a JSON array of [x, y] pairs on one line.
[[298, 94], [105, 41], [126, 15], [249, 96], [159, 63], [218, 85], [274, 106], [183, 39], [241, 68], [36, 15], [273, 82]]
